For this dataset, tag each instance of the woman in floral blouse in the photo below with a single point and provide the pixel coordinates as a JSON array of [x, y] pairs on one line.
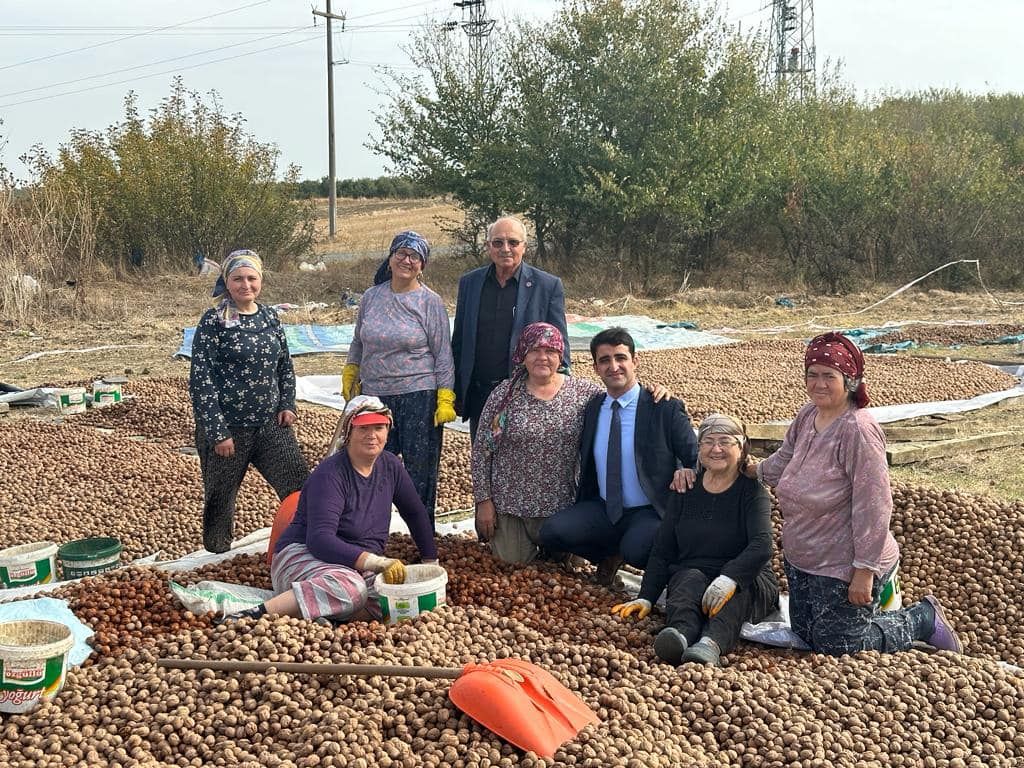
[[242, 386]]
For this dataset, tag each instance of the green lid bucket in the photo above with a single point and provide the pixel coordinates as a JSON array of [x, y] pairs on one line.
[[88, 557]]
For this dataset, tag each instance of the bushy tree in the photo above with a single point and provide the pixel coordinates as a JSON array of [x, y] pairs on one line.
[[188, 178]]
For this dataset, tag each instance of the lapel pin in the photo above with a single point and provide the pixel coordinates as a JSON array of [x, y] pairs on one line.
[[529, 284]]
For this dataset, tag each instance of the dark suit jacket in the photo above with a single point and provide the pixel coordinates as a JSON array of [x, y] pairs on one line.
[[663, 441], [540, 297]]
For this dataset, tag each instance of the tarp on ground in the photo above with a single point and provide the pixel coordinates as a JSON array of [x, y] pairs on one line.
[[647, 332]]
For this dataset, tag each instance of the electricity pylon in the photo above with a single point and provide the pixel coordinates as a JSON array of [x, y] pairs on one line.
[[791, 53]]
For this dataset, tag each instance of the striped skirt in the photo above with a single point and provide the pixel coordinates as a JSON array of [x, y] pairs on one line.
[[323, 589]]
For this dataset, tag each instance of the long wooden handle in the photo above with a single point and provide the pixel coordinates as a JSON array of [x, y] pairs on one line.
[[301, 668]]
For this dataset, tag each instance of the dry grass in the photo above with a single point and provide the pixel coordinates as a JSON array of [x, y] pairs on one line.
[[369, 225]]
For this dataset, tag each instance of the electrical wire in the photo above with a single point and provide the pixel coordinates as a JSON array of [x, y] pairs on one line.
[[150, 64], [158, 74], [130, 37]]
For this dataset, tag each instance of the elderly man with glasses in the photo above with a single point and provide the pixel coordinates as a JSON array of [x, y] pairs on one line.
[[495, 303]]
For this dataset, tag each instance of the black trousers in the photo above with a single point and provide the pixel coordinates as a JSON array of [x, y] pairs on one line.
[[682, 606], [416, 439], [271, 449]]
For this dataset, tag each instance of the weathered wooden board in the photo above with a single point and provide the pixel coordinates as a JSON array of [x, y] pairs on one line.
[[908, 453]]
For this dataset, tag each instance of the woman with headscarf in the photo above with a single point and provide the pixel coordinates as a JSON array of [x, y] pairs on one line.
[[525, 454], [713, 551], [328, 559], [401, 352], [242, 386], [832, 482]]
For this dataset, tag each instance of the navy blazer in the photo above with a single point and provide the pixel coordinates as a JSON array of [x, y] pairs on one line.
[[540, 297], [663, 441]]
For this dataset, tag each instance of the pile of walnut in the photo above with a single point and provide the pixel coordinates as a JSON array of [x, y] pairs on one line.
[[948, 335], [764, 707]]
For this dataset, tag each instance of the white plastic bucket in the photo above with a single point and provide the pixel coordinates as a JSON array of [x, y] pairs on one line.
[[28, 564], [423, 590], [71, 400], [33, 662], [104, 394]]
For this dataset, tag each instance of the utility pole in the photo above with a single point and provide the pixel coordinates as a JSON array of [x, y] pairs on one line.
[[791, 53], [332, 192], [478, 28]]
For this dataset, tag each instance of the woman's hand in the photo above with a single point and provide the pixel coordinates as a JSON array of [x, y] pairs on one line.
[[683, 480], [658, 392], [225, 448], [486, 519], [750, 468], [639, 606], [860, 587], [286, 418]]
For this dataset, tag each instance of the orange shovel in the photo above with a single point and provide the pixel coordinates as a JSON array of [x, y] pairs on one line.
[[519, 701]]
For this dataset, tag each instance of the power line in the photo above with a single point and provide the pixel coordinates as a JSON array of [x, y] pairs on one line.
[[130, 37], [158, 74], [150, 64]]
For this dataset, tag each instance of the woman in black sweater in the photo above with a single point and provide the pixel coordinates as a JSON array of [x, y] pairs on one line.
[[713, 552]]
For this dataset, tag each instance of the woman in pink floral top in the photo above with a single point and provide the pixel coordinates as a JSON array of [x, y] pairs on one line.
[[525, 453], [832, 482]]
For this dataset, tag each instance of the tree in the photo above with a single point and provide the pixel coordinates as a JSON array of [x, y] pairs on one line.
[[187, 179]]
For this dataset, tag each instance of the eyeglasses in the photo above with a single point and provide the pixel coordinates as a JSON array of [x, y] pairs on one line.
[[721, 442], [500, 243], [412, 258]]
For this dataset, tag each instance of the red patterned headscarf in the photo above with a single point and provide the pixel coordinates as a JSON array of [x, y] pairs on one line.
[[538, 335], [836, 351]]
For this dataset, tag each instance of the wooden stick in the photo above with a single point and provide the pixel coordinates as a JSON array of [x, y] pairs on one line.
[[300, 668]]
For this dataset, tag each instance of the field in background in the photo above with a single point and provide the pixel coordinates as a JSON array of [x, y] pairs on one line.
[[366, 225]]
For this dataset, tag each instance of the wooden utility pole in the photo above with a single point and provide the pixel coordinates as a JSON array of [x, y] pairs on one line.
[[332, 192]]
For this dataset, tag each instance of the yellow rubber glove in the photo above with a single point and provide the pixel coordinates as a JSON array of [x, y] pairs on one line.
[[391, 569], [445, 407], [639, 606], [394, 573], [350, 381]]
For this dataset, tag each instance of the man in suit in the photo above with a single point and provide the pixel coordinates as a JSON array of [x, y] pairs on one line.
[[634, 454], [495, 303]]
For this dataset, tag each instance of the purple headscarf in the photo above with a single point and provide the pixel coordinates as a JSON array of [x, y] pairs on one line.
[[533, 336], [407, 239]]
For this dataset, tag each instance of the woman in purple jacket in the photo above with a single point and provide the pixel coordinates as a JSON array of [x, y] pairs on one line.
[[328, 559]]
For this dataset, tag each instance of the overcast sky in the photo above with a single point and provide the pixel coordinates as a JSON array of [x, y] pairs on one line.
[[272, 61]]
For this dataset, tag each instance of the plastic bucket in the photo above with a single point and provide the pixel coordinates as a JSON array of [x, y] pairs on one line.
[[104, 394], [891, 596], [28, 564], [33, 662], [88, 557], [71, 400], [423, 590]]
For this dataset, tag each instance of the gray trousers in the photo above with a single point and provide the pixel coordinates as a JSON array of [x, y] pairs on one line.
[[275, 453], [820, 612]]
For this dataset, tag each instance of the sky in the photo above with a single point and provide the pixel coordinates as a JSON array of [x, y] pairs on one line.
[[66, 65]]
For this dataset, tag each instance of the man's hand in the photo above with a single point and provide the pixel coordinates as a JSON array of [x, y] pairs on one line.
[[750, 468], [718, 593], [486, 519], [683, 480], [286, 418], [225, 448], [640, 607], [860, 587]]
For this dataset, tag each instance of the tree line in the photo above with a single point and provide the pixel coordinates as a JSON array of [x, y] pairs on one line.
[[640, 133], [380, 187]]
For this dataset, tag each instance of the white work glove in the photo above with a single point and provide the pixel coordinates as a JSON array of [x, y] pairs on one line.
[[639, 606], [717, 595], [392, 570]]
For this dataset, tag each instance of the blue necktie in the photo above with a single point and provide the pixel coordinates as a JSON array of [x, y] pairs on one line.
[[613, 476]]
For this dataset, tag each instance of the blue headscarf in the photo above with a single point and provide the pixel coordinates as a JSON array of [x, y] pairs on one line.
[[226, 309], [406, 239]]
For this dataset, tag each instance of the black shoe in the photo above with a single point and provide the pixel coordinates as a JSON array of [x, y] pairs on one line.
[[670, 644]]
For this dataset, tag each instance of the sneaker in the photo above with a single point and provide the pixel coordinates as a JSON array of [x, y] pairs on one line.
[[704, 651], [670, 645], [943, 637]]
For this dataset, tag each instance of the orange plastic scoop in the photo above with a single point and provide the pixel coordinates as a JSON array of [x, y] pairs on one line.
[[519, 701]]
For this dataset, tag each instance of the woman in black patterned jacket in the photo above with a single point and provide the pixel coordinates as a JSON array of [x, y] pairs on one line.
[[242, 386]]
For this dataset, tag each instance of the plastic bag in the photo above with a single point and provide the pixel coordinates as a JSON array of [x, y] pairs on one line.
[[219, 596]]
